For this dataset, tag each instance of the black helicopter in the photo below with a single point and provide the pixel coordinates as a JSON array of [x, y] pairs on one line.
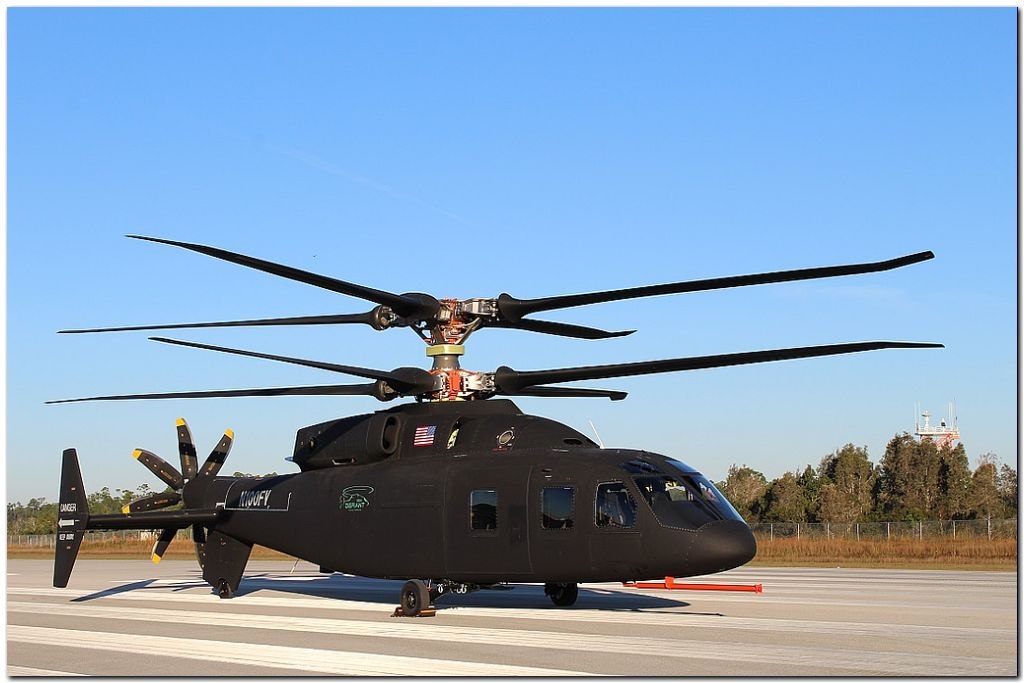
[[451, 492]]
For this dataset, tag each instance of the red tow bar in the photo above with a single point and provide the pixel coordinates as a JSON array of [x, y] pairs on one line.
[[670, 584]]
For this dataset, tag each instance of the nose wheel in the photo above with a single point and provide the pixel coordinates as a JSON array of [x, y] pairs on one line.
[[562, 594]]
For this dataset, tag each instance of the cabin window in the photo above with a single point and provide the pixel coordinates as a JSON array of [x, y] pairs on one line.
[[557, 507], [614, 508], [483, 510]]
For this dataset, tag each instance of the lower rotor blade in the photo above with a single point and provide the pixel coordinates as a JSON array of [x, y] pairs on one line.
[[570, 392], [157, 501], [187, 451], [368, 373], [561, 329], [510, 381], [324, 390], [340, 319], [160, 547], [160, 467], [217, 456]]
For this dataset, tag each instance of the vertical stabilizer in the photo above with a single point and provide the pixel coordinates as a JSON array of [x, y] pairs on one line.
[[72, 516]]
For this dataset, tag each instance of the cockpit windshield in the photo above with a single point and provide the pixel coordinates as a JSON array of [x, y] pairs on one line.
[[685, 501]]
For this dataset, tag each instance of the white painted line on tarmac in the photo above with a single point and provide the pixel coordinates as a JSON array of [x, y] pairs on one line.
[[874, 661], [332, 662], [666, 619], [16, 671]]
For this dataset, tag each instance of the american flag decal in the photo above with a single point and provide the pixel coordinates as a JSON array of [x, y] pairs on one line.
[[424, 436]]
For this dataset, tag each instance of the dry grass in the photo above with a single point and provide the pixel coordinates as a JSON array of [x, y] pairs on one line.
[[935, 553], [133, 550]]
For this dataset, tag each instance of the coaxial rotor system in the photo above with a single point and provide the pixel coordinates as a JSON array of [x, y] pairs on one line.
[[445, 325]]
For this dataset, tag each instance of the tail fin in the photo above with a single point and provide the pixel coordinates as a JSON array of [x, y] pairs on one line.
[[72, 517]]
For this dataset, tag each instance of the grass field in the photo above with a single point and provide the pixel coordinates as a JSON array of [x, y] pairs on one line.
[[936, 553]]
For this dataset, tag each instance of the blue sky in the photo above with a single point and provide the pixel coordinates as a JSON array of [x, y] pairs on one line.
[[531, 151]]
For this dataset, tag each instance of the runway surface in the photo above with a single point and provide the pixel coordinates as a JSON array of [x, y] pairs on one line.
[[133, 618]]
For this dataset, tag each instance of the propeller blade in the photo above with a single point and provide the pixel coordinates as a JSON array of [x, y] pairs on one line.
[[509, 381], [569, 392], [343, 318], [160, 547], [370, 389], [561, 329], [217, 456], [160, 467], [512, 309], [415, 306], [187, 451], [368, 373], [155, 501]]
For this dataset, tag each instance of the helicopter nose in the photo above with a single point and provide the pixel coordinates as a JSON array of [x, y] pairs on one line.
[[724, 544]]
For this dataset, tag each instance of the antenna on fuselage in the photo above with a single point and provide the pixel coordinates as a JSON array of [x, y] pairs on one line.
[[599, 442]]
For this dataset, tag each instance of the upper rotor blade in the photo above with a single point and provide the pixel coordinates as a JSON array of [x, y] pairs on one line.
[[561, 329], [569, 392], [325, 390], [343, 318], [512, 308], [186, 450], [403, 305], [368, 373], [511, 381], [217, 456]]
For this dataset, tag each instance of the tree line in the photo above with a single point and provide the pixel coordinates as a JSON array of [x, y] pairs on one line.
[[915, 480], [39, 517]]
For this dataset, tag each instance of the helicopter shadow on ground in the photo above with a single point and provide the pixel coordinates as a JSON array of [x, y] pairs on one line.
[[385, 592], [516, 596]]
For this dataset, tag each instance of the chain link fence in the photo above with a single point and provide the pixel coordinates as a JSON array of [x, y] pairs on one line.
[[874, 531], [123, 535]]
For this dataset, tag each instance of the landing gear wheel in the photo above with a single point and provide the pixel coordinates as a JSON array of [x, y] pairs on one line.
[[562, 594], [414, 598], [224, 591]]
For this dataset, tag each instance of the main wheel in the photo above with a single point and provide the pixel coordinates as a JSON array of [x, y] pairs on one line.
[[562, 594], [414, 597]]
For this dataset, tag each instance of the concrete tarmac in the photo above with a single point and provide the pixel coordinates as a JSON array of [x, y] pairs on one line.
[[133, 618]]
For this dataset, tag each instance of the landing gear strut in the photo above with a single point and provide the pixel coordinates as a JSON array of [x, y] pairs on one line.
[[417, 597], [562, 594]]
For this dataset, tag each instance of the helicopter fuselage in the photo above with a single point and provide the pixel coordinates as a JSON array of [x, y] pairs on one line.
[[522, 499]]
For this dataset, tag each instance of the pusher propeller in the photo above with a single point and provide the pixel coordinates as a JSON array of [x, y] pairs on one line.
[[177, 480]]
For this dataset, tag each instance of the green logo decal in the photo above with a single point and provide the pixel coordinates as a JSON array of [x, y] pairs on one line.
[[354, 498]]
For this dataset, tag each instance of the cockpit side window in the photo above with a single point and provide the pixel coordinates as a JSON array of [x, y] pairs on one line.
[[614, 508]]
